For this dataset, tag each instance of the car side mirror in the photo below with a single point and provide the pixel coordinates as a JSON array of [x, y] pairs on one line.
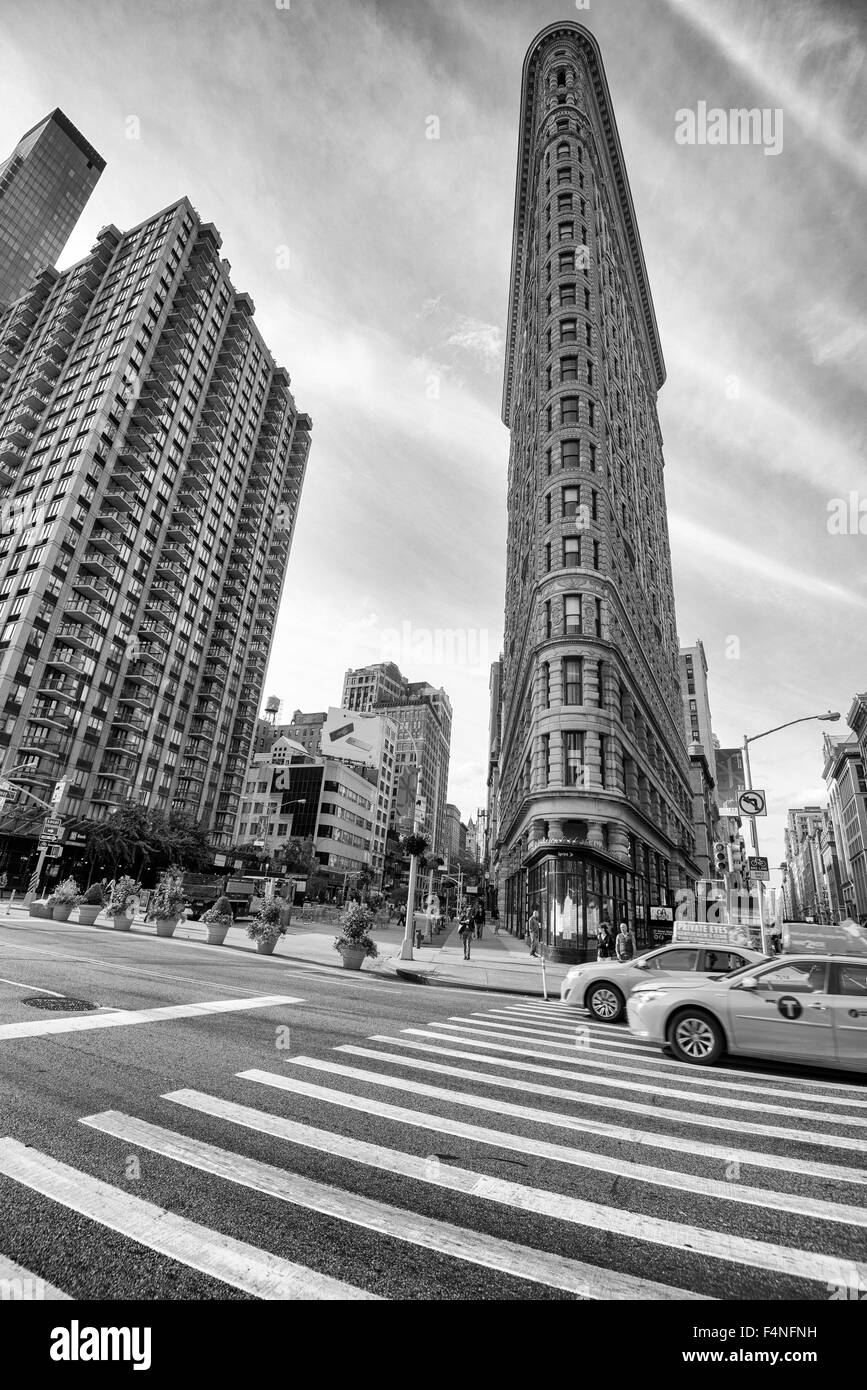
[[747, 984], [640, 964]]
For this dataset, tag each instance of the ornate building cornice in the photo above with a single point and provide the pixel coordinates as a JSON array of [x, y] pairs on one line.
[[526, 137]]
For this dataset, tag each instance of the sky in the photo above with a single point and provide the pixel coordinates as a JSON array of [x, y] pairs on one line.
[[358, 158]]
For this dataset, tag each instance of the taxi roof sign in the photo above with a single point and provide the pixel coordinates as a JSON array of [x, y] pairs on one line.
[[711, 933], [844, 938]]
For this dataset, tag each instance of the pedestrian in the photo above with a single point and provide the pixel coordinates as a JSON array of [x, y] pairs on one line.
[[465, 932], [534, 931], [480, 921], [604, 943], [495, 918], [624, 946]]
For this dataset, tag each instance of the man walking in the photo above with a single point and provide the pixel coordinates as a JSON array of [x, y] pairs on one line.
[[480, 921], [624, 946], [534, 931], [465, 932]]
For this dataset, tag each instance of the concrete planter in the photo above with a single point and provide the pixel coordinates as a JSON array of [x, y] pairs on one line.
[[266, 947], [217, 932], [353, 957], [166, 925], [88, 913], [61, 912], [40, 908], [122, 922]]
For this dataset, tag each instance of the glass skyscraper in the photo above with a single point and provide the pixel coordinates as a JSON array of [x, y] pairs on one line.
[[44, 186]]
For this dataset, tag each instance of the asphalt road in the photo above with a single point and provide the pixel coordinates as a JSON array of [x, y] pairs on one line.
[[503, 1148]]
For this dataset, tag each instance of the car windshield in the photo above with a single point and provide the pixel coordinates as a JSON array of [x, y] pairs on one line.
[[743, 969]]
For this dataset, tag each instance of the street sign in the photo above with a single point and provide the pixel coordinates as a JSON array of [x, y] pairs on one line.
[[57, 794], [758, 867], [753, 803]]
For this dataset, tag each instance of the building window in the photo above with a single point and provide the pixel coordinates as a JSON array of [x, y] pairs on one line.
[[571, 500], [571, 551], [569, 410], [598, 618], [570, 453], [573, 680], [568, 368], [573, 758], [603, 758], [568, 331], [572, 614], [548, 628], [547, 557], [567, 296]]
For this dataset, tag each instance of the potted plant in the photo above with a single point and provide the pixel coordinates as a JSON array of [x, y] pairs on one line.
[[64, 898], [218, 920], [167, 902], [355, 941], [90, 904], [267, 927], [123, 902]]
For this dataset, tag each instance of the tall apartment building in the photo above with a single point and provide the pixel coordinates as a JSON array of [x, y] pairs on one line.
[[44, 185], [595, 800], [423, 715], [806, 892], [152, 459], [452, 832], [696, 701]]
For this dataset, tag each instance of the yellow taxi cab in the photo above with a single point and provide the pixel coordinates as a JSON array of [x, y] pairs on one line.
[[796, 1008]]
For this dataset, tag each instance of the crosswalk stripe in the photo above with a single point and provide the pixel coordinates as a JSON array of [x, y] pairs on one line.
[[756, 1158], [124, 1018], [833, 1141], [474, 1247], [233, 1262], [638, 1050], [783, 1259], [718, 1079], [19, 1284], [492, 1041], [607, 1035], [700, 1097], [657, 1177]]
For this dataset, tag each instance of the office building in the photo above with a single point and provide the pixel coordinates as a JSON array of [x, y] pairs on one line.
[[806, 897], [423, 715], [305, 729], [152, 459], [846, 780], [452, 833], [595, 803], [44, 185], [696, 702]]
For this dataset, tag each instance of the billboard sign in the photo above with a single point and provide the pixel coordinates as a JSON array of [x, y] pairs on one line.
[[405, 794], [712, 934], [844, 938], [730, 779], [353, 737]]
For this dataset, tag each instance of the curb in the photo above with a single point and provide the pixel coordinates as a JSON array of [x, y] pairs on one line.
[[430, 977]]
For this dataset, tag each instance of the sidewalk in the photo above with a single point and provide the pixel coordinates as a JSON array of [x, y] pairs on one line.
[[497, 962]]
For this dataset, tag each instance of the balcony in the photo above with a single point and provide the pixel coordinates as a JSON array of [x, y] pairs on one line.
[[144, 673], [181, 518], [131, 718], [50, 714], [169, 570], [53, 689], [96, 563], [93, 588], [137, 699], [177, 550], [132, 745], [67, 660], [9, 452], [40, 745], [116, 770], [155, 632], [162, 610], [84, 639], [131, 457], [34, 398], [103, 539]]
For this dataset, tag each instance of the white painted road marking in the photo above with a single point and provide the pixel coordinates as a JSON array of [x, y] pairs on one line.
[[125, 1018], [23, 1285], [658, 1177], [803, 1264], [35, 988], [758, 1158], [233, 1262], [523, 1262]]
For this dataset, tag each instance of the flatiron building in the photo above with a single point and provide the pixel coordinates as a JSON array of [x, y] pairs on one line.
[[594, 802]]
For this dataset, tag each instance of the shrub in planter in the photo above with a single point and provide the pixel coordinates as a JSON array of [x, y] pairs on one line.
[[90, 904], [64, 898], [218, 920], [414, 844], [167, 902], [123, 901], [355, 942], [266, 927]]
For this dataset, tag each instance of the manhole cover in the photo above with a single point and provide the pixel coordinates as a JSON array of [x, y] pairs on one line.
[[45, 1001]]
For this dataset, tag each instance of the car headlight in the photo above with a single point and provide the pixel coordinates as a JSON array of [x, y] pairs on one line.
[[641, 996], [574, 973]]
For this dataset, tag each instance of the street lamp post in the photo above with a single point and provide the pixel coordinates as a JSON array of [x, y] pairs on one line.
[[830, 716]]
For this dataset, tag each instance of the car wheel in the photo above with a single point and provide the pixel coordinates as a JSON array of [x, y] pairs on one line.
[[695, 1036], [606, 1003]]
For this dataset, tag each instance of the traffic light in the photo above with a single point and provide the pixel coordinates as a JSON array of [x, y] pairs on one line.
[[720, 858]]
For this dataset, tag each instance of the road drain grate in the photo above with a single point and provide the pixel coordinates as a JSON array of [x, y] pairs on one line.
[[45, 1001]]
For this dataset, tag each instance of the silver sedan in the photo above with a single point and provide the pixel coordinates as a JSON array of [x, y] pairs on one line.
[[604, 986]]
